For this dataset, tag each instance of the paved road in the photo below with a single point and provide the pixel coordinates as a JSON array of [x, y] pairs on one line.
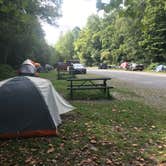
[[150, 80]]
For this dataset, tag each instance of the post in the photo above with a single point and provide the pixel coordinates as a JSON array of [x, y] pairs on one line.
[[58, 73], [105, 86], [71, 89], [108, 92]]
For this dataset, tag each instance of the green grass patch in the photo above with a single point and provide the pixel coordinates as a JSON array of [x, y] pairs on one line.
[[125, 91], [98, 132]]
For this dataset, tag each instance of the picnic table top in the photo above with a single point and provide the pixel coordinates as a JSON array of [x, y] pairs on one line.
[[88, 79]]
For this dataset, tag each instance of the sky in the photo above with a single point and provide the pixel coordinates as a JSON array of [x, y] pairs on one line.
[[75, 13]]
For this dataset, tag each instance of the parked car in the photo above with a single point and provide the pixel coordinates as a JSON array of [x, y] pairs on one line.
[[70, 62], [61, 66], [112, 67], [102, 66], [77, 68], [135, 66]]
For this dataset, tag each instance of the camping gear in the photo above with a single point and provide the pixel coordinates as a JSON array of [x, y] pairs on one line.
[[103, 66], [160, 68], [124, 65], [30, 106], [37, 65], [27, 68], [48, 67]]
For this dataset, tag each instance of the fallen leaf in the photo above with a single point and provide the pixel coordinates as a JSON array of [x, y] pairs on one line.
[[50, 145], [28, 159], [93, 148], [62, 145], [50, 150], [33, 162], [109, 162], [54, 161], [94, 158], [118, 128], [150, 141], [160, 147], [93, 141], [134, 145], [114, 110], [87, 161]]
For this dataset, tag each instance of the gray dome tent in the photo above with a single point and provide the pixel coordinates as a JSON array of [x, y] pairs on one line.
[[30, 106], [27, 68]]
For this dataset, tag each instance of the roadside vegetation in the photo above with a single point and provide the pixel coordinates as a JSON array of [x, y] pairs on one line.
[[6, 71], [21, 33], [98, 132], [133, 31]]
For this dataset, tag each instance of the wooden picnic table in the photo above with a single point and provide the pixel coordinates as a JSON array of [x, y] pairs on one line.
[[88, 84]]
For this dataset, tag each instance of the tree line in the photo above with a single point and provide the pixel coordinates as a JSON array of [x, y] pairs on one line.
[[21, 33], [131, 30]]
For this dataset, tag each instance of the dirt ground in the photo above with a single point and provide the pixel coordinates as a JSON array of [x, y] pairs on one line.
[[153, 97]]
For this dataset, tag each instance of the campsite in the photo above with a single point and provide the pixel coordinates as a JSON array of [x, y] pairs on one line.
[[82, 83], [122, 133]]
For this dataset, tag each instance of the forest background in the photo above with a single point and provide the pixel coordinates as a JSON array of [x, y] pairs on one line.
[[131, 30]]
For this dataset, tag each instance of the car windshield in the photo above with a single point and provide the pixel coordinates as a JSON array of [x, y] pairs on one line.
[[78, 65]]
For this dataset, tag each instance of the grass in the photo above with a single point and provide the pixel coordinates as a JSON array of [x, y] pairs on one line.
[[99, 132]]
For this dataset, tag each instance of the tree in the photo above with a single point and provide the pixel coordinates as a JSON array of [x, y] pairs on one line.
[[88, 45], [154, 31], [21, 35], [121, 31], [65, 44]]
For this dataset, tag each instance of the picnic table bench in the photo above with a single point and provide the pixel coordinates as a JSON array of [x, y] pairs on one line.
[[88, 84]]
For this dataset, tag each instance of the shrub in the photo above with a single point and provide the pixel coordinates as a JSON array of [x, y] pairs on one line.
[[152, 66], [6, 71]]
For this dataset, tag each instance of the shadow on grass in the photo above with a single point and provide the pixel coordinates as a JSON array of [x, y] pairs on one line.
[[90, 95]]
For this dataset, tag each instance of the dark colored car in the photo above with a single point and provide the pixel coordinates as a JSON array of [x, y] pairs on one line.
[[61, 66], [77, 68], [70, 62], [103, 66]]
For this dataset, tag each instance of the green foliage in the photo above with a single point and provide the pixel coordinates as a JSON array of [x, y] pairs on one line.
[[88, 45], [6, 71], [152, 66], [114, 4], [132, 31], [21, 35], [114, 38], [64, 48], [154, 31], [125, 32]]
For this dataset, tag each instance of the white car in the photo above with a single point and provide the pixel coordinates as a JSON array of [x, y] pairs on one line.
[[77, 68]]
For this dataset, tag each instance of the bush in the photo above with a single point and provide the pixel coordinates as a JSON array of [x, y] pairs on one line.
[[152, 66], [6, 71]]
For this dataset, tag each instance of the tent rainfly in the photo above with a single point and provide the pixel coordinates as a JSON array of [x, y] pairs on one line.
[[30, 106]]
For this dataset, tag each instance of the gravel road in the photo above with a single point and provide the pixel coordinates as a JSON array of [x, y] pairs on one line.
[[149, 88]]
